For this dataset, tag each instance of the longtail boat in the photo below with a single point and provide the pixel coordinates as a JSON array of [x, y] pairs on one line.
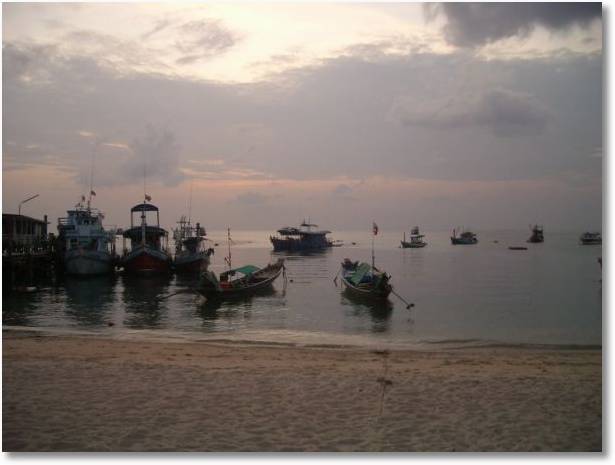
[[365, 280], [243, 280]]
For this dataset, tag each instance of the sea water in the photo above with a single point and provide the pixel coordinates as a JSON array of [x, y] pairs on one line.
[[463, 295]]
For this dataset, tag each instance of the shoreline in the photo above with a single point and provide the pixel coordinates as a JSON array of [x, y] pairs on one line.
[[83, 393]]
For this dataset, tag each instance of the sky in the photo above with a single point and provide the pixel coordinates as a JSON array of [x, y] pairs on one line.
[[487, 116]]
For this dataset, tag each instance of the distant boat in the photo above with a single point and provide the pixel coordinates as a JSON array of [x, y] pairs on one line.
[[416, 239], [465, 238], [244, 280], [302, 238], [365, 280], [517, 248], [191, 254], [591, 238], [148, 244], [537, 234], [88, 249]]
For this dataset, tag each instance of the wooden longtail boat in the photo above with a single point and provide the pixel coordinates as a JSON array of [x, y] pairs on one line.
[[251, 278], [364, 280]]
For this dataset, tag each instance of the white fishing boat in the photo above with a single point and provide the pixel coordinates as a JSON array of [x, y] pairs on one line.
[[416, 239], [88, 249], [191, 253]]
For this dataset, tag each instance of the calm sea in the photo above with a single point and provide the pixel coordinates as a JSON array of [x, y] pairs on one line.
[[464, 295]]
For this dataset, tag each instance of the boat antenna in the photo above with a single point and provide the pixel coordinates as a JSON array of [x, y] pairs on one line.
[[92, 173], [229, 248], [144, 173], [190, 203], [374, 231]]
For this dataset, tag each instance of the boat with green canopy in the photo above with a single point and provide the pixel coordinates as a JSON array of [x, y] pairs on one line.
[[243, 280]]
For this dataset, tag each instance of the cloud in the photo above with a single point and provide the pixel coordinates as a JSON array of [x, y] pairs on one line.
[[202, 39], [251, 198], [504, 112], [476, 24]]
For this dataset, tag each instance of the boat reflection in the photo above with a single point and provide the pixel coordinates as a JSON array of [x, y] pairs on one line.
[[144, 301], [214, 307], [378, 310], [90, 300]]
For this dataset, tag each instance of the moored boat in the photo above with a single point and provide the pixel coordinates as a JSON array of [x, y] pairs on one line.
[[416, 239], [148, 244], [303, 238], [364, 280], [244, 280], [591, 238], [87, 248], [537, 234], [465, 238], [191, 253]]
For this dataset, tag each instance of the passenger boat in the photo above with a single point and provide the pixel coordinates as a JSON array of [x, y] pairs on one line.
[[591, 238], [244, 280], [465, 238], [416, 239], [537, 234], [304, 237], [365, 280], [148, 244], [191, 253], [86, 247]]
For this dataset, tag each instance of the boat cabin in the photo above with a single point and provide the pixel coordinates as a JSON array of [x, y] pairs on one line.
[[145, 234]]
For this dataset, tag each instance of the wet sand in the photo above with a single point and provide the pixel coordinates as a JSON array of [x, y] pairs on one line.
[[71, 393]]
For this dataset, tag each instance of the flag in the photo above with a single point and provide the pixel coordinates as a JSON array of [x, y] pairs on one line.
[[92, 193], [375, 228], [148, 198], [83, 198]]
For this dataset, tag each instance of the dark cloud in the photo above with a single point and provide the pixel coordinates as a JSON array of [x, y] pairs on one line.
[[505, 112], [475, 24], [202, 39]]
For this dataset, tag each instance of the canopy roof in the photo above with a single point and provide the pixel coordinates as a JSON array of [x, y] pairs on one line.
[[246, 269], [147, 207], [359, 273]]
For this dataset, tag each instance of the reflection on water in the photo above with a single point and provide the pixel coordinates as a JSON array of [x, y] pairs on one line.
[[89, 300], [143, 301], [378, 310], [549, 293]]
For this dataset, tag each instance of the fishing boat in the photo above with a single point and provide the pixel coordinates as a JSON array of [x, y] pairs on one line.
[[591, 238], [365, 280], [465, 238], [537, 234], [148, 243], [244, 280], [86, 247], [416, 239], [305, 237], [191, 252]]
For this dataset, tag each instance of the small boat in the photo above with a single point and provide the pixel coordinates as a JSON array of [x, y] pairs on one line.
[[591, 238], [191, 254], [363, 279], [416, 239], [243, 280], [517, 248], [148, 244], [537, 234], [465, 238], [86, 247], [304, 237]]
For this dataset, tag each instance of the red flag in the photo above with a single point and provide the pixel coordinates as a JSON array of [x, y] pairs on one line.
[[375, 229]]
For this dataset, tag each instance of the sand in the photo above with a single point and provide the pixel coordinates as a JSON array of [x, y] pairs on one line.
[[70, 393]]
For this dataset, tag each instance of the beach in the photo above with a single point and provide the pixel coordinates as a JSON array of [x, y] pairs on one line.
[[89, 393]]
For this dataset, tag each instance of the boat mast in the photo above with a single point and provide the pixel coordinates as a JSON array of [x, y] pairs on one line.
[[229, 248], [374, 232]]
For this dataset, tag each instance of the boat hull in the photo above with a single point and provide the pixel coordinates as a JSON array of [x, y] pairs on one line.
[[591, 241], [413, 245], [192, 263], [291, 245], [146, 260], [88, 262], [366, 292], [458, 241]]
